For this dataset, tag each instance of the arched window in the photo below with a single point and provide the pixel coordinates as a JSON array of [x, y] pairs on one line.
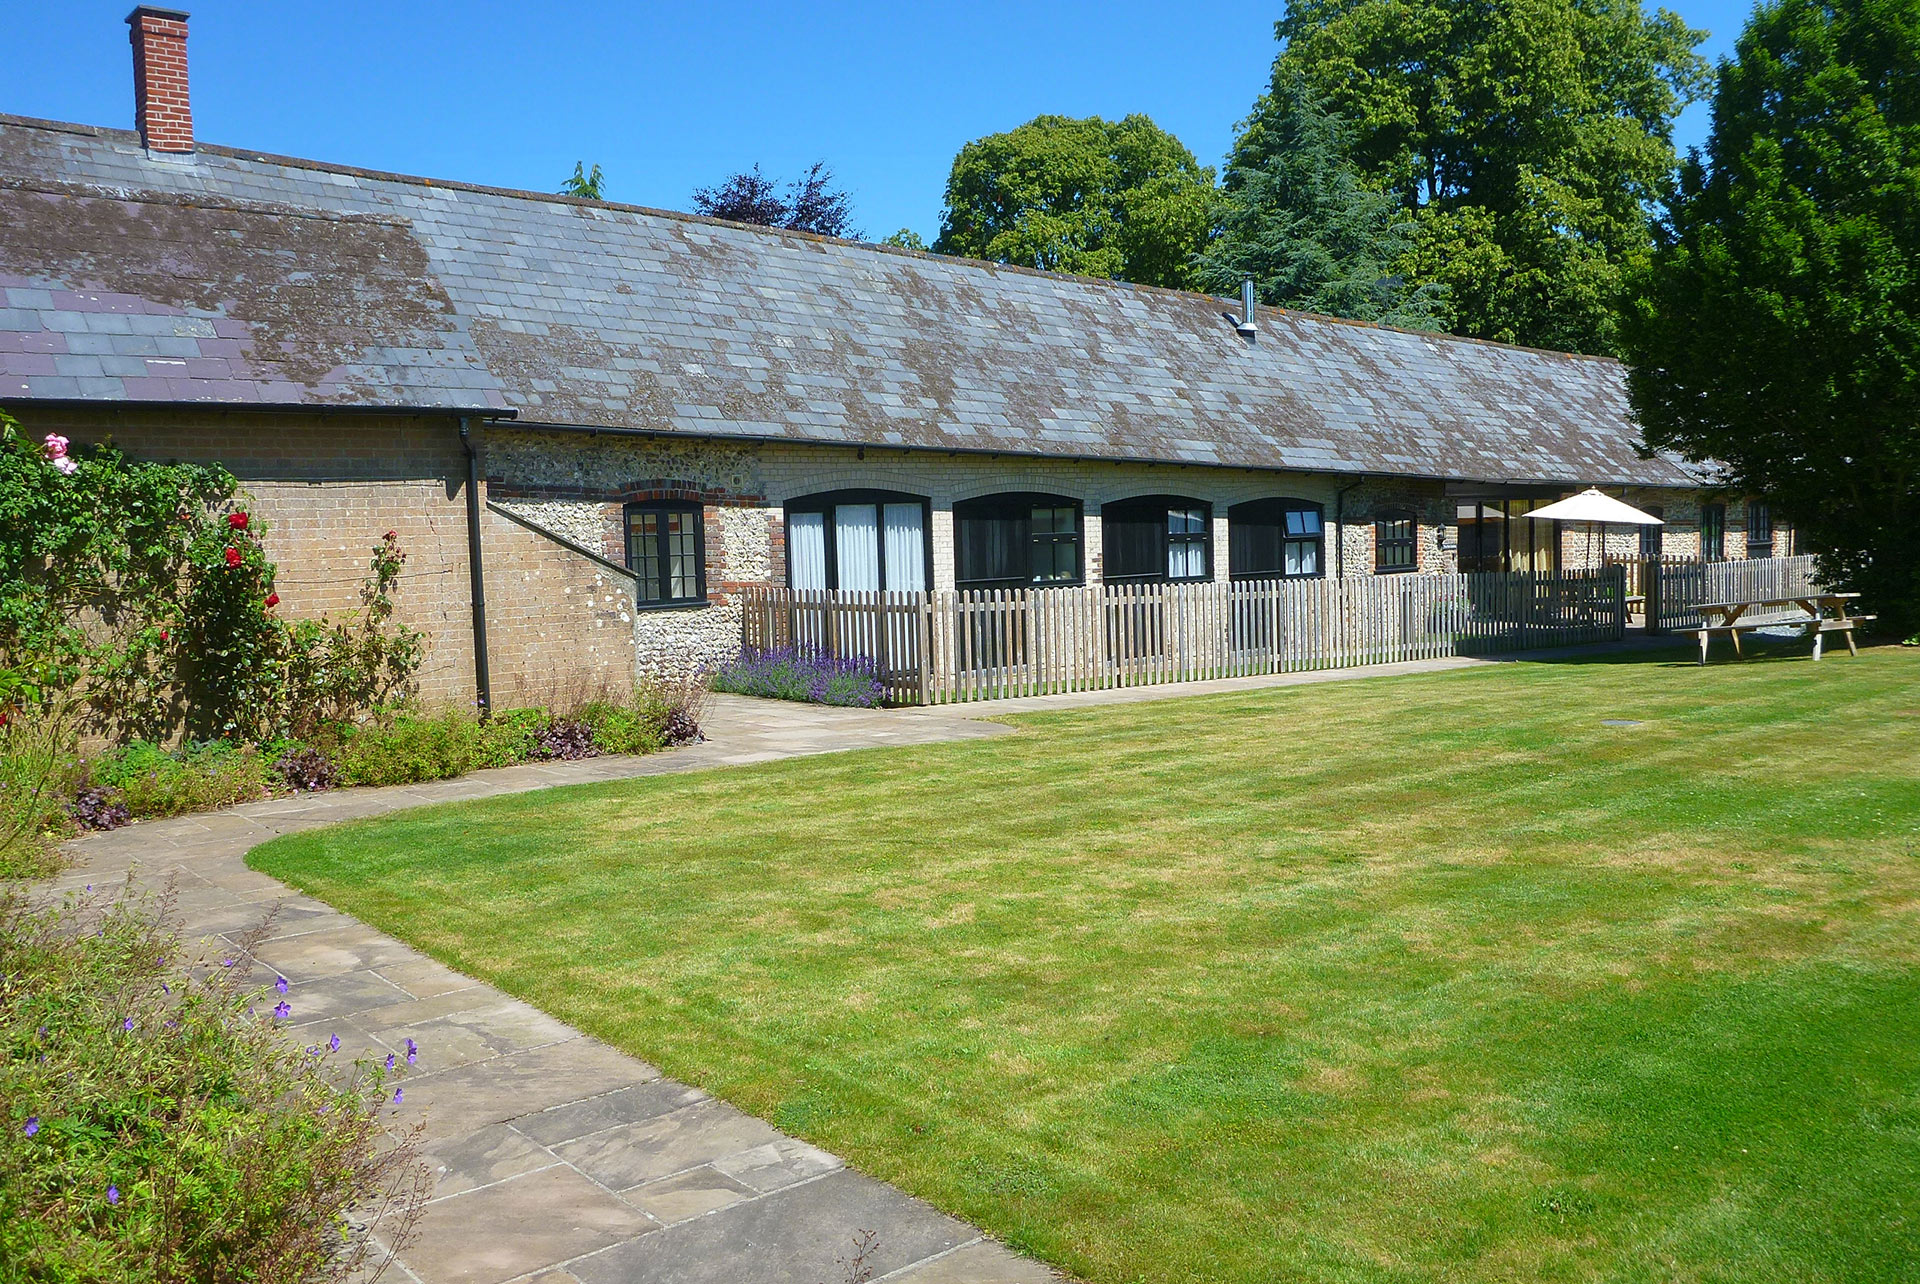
[[1016, 540], [858, 541], [1396, 542], [1156, 539], [1275, 539]]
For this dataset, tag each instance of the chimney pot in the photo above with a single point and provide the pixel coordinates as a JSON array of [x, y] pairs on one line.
[[162, 111]]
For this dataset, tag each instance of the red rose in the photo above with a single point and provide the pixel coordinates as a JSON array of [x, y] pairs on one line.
[[390, 536], [238, 521], [233, 557], [163, 635], [273, 600]]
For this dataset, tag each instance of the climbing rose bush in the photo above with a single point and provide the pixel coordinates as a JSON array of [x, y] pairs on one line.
[[143, 592]]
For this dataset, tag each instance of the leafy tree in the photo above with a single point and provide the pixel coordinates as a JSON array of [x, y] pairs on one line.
[[1122, 199], [907, 239], [1777, 329], [585, 183], [1298, 216], [811, 203], [814, 206], [1528, 137]]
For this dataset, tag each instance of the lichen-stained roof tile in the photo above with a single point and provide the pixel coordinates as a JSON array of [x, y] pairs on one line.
[[230, 276]]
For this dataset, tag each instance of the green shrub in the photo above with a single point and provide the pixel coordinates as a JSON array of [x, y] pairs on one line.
[[36, 755], [636, 728], [411, 749], [510, 736], [154, 781], [154, 1127]]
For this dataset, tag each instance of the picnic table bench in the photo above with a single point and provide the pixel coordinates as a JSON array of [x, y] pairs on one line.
[[1817, 613]]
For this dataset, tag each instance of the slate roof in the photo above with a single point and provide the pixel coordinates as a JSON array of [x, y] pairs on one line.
[[231, 277]]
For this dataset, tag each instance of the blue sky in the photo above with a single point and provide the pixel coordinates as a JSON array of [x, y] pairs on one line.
[[670, 97]]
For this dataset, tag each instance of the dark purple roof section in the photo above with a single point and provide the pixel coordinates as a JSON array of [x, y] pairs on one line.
[[229, 277]]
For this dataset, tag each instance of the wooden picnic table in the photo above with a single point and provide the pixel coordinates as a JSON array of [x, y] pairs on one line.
[[1818, 613]]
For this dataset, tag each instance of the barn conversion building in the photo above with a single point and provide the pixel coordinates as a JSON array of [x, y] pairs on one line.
[[594, 424]]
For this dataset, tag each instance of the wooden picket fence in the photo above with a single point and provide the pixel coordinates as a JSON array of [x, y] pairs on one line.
[[1674, 587], [935, 648]]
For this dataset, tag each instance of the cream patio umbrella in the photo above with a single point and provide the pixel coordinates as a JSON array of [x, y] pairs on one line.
[[1595, 509]]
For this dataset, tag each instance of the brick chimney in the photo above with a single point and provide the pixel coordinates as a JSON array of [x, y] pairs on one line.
[[161, 111]]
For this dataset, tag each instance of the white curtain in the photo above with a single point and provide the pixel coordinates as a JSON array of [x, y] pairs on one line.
[[906, 549], [856, 538], [807, 536]]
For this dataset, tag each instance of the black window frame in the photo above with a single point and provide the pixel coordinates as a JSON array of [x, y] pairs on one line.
[[825, 502], [1759, 518], [1382, 541], [1713, 522], [1259, 515], [1653, 538], [1131, 510], [663, 585], [1018, 507]]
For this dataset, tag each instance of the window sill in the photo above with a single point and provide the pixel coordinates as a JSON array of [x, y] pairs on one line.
[[1395, 570], [678, 604]]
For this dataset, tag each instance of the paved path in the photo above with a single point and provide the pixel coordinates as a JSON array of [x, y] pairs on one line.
[[558, 1159]]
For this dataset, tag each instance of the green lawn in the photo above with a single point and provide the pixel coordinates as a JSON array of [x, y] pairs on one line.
[[1429, 978]]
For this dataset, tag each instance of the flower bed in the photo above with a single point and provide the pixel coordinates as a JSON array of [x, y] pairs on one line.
[[155, 1124], [143, 780], [800, 673]]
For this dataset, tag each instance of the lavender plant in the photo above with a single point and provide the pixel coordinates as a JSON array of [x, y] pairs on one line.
[[802, 673]]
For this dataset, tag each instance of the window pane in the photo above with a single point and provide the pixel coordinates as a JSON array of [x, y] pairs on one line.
[[1186, 559], [856, 540], [1302, 522], [990, 544], [808, 554], [1303, 557], [1183, 521], [1066, 559], [1130, 543], [906, 549]]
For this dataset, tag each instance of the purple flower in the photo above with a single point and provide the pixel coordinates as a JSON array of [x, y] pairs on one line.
[[333, 1044], [389, 1061], [313, 1049], [127, 1024], [113, 1194], [396, 1096], [33, 1125], [413, 1052], [226, 962], [282, 1009], [165, 988], [280, 984]]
